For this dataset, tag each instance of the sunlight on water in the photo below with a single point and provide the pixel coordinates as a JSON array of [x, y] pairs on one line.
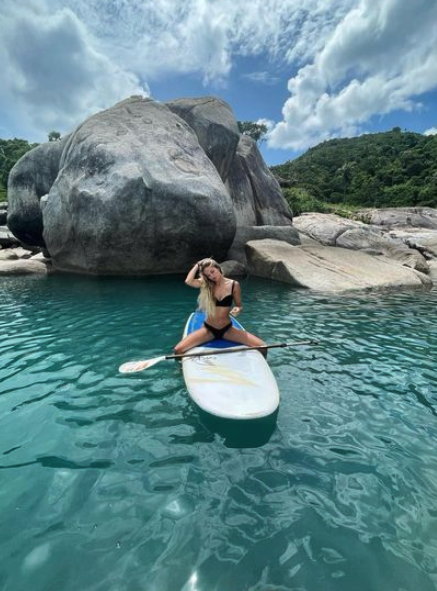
[[113, 482]]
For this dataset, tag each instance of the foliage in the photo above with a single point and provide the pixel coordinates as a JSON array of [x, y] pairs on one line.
[[301, 201], [10, 152], [391, 169], [255, 130], [54, 136]]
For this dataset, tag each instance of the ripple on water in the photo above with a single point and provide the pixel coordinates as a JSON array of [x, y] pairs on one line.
[[115, 482]]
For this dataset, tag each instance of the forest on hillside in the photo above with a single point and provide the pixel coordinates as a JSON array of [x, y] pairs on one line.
[[390, 169], [10, 152]]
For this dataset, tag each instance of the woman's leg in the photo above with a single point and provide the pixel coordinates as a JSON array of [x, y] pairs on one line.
[[243, 337], [198, 337]]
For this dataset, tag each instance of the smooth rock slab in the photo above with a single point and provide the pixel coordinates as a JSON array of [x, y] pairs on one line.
[[327, 268], [24, 267]]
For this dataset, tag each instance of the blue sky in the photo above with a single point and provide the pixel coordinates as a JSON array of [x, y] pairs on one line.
[[310, 69]]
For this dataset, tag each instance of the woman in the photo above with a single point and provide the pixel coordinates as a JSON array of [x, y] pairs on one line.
[[217, 294]]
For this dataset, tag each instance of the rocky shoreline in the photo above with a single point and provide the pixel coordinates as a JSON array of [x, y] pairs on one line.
[[146, 188], [325, 252]]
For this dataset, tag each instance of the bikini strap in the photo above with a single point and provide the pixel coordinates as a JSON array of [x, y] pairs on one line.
[[233, 283]]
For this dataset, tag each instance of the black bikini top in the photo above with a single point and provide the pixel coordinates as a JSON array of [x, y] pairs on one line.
[[226, 302]]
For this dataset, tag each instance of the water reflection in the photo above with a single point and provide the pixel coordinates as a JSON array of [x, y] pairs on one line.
[[240, 434]]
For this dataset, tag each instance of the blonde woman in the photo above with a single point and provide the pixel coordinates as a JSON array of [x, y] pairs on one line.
[[219, 298]]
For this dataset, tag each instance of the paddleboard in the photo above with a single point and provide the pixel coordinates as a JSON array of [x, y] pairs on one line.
[[238, 385]]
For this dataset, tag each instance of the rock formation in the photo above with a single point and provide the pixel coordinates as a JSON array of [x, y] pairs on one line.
[[328, 268], [332, 230], [139, 189], [30, 179]]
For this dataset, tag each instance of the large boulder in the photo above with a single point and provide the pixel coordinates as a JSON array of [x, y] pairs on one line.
[[327, 268], [256, 194], [136, 194], [333, 230], [30, 179], [216, 128], [140, 189]]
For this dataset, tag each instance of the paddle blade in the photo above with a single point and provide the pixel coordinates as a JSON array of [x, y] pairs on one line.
[[132, 366]]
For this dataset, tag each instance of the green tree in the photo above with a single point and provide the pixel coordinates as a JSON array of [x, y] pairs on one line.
[[375, 170], [54, 136], [256, 131], [10, 152]]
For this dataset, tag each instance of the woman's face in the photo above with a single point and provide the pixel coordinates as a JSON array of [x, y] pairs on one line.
[[211, 273]]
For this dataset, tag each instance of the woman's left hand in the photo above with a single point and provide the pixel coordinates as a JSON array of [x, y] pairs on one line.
[[235, 311]]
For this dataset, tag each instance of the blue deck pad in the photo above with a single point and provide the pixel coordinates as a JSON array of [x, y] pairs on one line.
[[196, 321]]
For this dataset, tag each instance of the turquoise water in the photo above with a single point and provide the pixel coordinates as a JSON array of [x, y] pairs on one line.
[[113, 482]]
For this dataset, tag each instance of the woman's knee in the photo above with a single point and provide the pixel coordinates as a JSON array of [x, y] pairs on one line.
[[179, 349]]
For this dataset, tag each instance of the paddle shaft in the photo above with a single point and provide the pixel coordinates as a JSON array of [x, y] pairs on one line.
[[237, 349]]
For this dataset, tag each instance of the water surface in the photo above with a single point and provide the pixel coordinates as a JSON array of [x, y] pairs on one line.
[[112, 482]]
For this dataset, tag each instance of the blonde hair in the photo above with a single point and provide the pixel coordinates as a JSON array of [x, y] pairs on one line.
[[206, 299]]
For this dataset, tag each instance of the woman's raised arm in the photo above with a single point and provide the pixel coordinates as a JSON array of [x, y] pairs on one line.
[[191, 277]]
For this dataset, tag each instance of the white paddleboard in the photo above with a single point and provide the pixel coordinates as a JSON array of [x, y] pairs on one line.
[[238, 385]]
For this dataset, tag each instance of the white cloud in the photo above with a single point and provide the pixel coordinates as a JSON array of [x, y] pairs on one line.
[[431, 131], [160, 37], [262, 77], [65, 59], [379, 59], [52, 76], [349, 60]]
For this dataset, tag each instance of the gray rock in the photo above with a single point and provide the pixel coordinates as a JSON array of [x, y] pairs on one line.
[[307, 241], [233, 269], [215, 126], [24, 267], [256, 194], [244, 234], [375, 242], [333, 230], [136, 194], [15, 253], [325, 268], [31, 178], [322, 227], [417, 217], [424, 240], [7, 239], [433, 270], [3, 214], [8, 254]]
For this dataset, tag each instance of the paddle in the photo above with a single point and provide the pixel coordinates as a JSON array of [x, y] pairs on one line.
[[132, 366]]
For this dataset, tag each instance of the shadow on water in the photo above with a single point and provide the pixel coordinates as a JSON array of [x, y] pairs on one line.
[[238, 433]]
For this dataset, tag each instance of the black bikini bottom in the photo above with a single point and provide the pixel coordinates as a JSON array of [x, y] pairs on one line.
[[217, 332]]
